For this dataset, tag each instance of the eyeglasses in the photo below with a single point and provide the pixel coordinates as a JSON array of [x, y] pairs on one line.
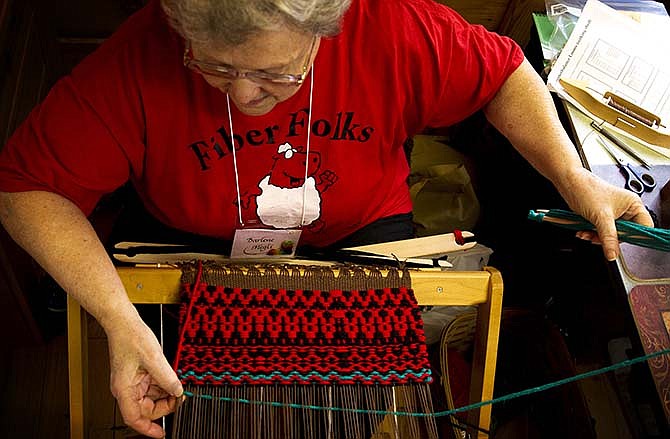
[[260, 77]]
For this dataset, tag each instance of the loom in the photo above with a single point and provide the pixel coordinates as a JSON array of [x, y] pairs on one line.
[[287, 335], [337, 406]]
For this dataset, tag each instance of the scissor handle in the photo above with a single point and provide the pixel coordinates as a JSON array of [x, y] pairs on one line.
[[638, 183], [647, 180], [633, 183]]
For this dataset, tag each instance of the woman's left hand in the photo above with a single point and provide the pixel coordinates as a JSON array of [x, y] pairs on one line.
[[601, 203]]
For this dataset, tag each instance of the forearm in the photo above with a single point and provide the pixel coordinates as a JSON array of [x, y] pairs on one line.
[[524, 112], [59, 237]]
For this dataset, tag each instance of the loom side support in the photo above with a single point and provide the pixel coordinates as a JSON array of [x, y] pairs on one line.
[[486, 353], [77, 356]]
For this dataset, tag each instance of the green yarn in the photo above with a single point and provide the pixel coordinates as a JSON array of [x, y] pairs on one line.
[[629, 231], [622, 364]]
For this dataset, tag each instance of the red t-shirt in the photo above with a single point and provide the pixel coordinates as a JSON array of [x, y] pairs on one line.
[[132, 111]]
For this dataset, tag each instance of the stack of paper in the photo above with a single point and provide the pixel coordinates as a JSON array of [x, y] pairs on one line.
[[612, 52]]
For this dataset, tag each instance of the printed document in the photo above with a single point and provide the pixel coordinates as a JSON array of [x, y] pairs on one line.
[[613, 52]]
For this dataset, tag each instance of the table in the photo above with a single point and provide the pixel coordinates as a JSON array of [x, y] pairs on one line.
[[644, 273]]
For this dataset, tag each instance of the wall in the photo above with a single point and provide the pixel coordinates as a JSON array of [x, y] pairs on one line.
[[25, 66]]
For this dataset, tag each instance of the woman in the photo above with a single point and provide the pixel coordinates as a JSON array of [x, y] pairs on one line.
[[284, 115]]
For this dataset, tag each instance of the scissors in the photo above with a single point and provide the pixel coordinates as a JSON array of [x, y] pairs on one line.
[[635, 182]]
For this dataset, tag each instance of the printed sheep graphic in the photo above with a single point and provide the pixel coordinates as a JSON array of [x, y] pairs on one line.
[[284, 191]]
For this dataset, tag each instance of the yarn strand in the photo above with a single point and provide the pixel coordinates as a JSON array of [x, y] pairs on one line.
[[628, 231], [526, 392]]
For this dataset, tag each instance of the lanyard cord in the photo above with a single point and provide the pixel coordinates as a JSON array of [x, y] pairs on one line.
[[309, 132], [237, 175]]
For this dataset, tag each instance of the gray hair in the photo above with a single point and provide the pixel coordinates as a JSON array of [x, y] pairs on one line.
[[232, 22]]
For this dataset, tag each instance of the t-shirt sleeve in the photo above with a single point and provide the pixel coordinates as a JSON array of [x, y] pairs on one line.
[[465, 65], [88, 136], [65, 147]]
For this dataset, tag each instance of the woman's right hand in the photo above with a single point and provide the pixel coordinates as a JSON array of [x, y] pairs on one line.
[[57, 234], [142, 380]]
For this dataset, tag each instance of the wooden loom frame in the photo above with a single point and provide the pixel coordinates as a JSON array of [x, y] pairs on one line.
[[153, 285]]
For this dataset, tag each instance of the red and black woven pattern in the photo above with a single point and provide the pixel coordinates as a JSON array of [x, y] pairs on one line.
[[267, 336]]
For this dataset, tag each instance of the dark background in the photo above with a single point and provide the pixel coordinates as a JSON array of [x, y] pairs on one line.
[[572, 300]]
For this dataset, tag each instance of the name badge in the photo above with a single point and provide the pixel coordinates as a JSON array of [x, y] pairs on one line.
[[265, 243]]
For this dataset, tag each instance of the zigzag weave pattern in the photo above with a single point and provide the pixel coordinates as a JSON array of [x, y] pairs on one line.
[[237, 336]]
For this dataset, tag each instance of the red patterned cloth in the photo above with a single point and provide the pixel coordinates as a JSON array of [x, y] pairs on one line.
[[278, 336]]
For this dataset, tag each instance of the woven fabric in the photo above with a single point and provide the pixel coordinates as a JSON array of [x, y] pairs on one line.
[[239, 336]]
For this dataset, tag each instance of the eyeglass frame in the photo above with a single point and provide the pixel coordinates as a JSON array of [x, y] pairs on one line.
[[230, 73]]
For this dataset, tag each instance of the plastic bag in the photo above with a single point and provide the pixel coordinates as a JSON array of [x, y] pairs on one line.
[[442, 191], [573, 7], [564, 15]]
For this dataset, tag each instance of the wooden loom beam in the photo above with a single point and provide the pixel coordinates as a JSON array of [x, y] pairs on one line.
[[153, 285]]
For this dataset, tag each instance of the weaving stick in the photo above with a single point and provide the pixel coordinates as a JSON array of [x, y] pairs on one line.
[[139, 252]]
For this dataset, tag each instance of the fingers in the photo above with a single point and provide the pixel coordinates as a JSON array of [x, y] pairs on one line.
[[608, 237], [155, 392], [601, 204], [640, 215], [139, 409], [138, 413], [150, 409], [143, 404], [143, 382], [588, 235], [607, 234], [163, 376]]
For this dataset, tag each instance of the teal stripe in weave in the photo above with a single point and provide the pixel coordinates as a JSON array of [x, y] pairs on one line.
[[422, 373]]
